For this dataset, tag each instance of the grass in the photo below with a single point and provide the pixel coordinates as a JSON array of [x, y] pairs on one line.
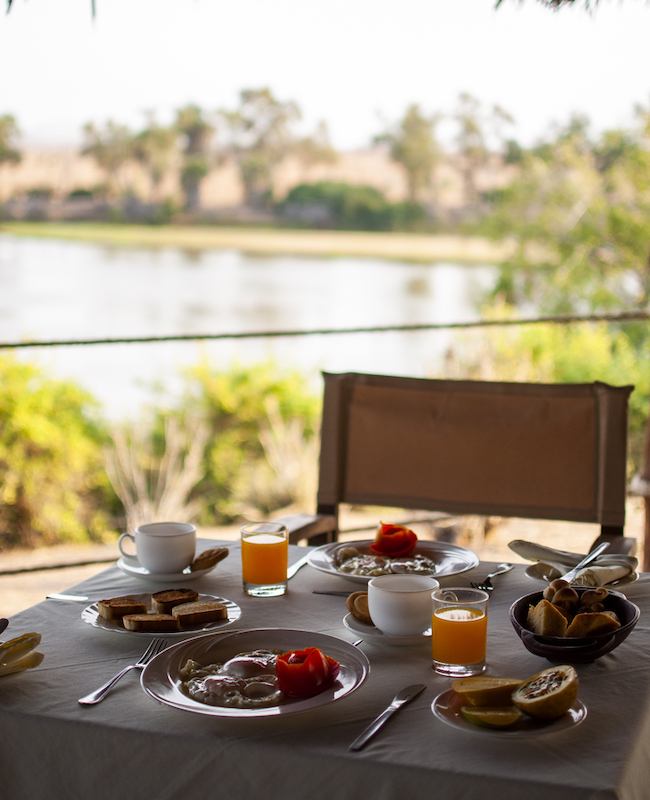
[[412, 247]]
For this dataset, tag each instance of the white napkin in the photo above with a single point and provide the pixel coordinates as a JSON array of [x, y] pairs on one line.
[[605, 569]]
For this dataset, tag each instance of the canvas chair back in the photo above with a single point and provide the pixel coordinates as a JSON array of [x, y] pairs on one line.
[[471, 447]]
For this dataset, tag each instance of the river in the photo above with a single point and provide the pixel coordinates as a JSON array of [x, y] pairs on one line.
[[53, 290]]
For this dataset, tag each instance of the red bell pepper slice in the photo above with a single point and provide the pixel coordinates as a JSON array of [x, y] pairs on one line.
[[394, 541], [303, 673]]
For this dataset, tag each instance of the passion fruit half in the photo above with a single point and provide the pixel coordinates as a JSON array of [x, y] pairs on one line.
[[549, 694], [492, 717], [482, 690]]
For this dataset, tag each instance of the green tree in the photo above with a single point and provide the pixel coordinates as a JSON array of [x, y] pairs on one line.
[[52, 481], [111, 147], [259, 137], [9, 132], [413, 145], [579, 216], [155, 148], [197, 132]]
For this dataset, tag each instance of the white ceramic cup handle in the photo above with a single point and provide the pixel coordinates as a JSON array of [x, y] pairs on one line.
[[119, 544]]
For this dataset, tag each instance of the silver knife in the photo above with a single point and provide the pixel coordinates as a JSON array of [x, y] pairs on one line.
[[572, 573], [400, 699], [295, 567]]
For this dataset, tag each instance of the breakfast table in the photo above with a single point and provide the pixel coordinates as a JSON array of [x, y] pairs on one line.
[[129, 745]]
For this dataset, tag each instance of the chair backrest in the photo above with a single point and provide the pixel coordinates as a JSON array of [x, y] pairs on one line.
[[541, 451]]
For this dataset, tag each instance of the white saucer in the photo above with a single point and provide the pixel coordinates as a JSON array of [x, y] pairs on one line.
[[371, 634], [131, 566]]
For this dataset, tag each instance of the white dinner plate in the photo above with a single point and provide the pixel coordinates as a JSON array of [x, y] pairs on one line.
[[545, 573], [131, 566], [449, 559], [161, 677], [447, 707], [91, 615], [369, 633]]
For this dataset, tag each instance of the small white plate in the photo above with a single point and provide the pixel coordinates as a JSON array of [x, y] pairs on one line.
[[131, 566], [161, 677], [91, 615], [369, 633], [446, 707], [545, 573]]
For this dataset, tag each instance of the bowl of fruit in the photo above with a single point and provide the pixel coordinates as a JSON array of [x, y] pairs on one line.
[[573, 624]]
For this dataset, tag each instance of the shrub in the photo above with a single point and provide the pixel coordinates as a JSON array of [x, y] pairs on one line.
[[52, 481]]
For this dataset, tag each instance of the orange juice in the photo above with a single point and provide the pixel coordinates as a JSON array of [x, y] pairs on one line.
[[264, 558], [458, 635]]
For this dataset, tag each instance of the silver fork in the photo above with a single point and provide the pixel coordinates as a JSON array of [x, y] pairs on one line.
[[155, 646], [486, 583]]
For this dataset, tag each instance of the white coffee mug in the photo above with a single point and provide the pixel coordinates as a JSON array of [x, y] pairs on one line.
[[400, 605], [162, 547]]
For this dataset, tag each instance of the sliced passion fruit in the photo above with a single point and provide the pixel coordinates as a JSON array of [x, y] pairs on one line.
[[492, 717], [483, 690], [549, 694]]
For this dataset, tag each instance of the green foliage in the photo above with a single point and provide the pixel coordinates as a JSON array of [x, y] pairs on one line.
[[259, 137], [53, 486], [237, 405], [9, 132], [110, 146], [579, 214], [414, 146], [354, 207]]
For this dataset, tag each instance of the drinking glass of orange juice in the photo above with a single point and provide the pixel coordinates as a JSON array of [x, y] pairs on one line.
[[459, 631], [264, 558]]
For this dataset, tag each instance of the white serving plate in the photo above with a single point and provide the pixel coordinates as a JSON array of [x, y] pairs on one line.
[[161, 677], [446, 707], [91, 616], [449, 559]]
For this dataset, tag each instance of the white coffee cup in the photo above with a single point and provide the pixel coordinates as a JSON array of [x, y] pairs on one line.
[[162, 547], [400, 605]]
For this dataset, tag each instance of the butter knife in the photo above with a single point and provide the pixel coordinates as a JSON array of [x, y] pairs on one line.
[[400, 699], [572, 573], [295, 567]]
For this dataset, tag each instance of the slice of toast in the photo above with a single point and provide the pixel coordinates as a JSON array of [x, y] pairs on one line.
[[153, 623], [163, 602], [546, 619], [118, 607], [191, 614], [208, 558], [592, 624]]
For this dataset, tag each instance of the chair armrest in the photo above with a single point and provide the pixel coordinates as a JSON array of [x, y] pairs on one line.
[[308, 526]]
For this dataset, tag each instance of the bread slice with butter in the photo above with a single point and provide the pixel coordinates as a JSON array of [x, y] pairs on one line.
[[200, 613], [118, 607], [151, 623], [163, 602]]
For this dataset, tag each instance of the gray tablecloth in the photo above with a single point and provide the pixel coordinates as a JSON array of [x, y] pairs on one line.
[[129, 746]]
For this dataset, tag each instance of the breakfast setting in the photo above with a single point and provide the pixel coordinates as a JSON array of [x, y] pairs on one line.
[[273, 634]]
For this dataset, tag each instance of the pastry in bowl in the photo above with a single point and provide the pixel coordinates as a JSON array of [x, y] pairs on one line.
[[594, 633]]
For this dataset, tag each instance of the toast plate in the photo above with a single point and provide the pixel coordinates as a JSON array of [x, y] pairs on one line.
[[161, 677], [446, 707], [449, 559], [91, 616], [131, 566], [369, 633]]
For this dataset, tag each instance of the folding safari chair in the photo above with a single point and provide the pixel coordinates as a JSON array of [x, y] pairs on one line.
[[539, 451]]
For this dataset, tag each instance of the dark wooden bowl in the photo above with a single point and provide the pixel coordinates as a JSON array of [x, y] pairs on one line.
[[573, 650]]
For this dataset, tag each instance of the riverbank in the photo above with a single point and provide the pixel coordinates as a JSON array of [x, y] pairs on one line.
[[419, 248]]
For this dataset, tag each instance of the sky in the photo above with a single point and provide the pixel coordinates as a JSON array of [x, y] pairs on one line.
[[357, 64]]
